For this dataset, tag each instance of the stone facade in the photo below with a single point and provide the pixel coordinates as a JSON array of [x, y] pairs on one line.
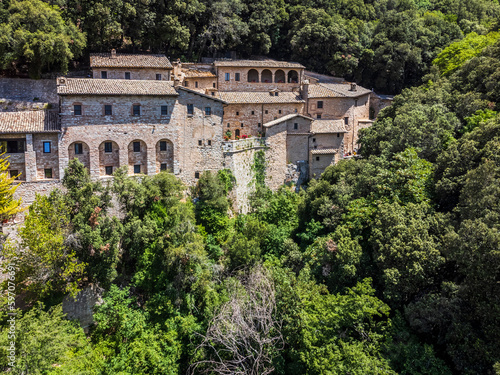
[[133, 73]]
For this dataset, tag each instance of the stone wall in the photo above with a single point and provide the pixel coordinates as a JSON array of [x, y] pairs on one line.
[[140, 74], [252, 114], [276, 155], [44, 90]]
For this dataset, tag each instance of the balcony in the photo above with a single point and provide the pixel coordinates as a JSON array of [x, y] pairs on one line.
[[243, 144]]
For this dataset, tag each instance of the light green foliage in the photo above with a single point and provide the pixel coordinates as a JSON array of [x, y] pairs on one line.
[[36, 34], [9, 206], [457, 53], [46, 263], [477, 118], [46, 343]]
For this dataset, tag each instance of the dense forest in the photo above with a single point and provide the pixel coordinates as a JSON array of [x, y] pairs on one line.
[[386, 45], [388, 264]]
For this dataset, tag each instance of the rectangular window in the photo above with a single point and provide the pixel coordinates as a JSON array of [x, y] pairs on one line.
[[163, 166], [200, 142], [228, 125], [227, 76], [317, 158], [104, 74], [314, 139], [78, 148], [209, 142], [213, 84], [208, 111], [186, 83], [13, 147], [77, 109], [266, 112], [127, 75], [196, 174], [253, 112], [338, 135], [318, 116], [48, 173], [237, 113], [163, 145], [13, 173], [236, 76], [108, 147], [346, 120], [164, 110], [108, 111], [295, 126], [196, 84], [213, 93], [109, 170], [279, 111], [158, 77], [136, 110], [137, 169], [320, 104], [46, 147], [137, 146], [241, 124], [190, 109], [258, 125]]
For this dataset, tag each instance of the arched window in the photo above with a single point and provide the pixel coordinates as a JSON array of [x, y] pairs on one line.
[[253, 75], [279, 76], [293, 76], [237, 133], [266, 76]]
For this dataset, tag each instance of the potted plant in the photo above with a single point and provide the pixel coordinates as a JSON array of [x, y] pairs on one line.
[[229, 134]]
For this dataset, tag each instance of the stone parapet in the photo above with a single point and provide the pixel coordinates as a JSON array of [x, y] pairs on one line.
[[243, 144]]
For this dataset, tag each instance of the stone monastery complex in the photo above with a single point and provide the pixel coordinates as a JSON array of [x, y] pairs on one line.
[[145, 113]]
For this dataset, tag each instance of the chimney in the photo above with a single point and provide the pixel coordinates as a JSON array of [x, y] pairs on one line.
[[61, 81], [113, 53], [177, 82], [305, 94], [354, 87]]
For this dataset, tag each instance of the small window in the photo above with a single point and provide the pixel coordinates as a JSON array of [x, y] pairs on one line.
[[266, 112], [237, 113], [46, 147], [196, 84], [213, 93], [104, 74], [190, 109], [276, 93], [236, 76], [186, 83], [237, 133], [318, 116], [338, 135], [108, 111], [253, 112], [208, 111], [137, 146], [200, 142], [356, 102], [279, 111], [77, 109], [158, 77], [314, 139], [295, 110], [164, 110], [48, 172], [295, 126], [227, 76], [108, 147], [137, 169], [320, 104], [109, 170], [163, 166], [127, 75], [259, 125], [213, 84], [317, 158], [241, 124], [196, 174], [228, 125], [78, 148], [163, 145], [209, 142], [346, 120], [136, 109], [13, 173]]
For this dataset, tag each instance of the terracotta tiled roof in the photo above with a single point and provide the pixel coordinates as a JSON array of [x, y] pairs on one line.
[[122, 60], [89, 86], [259, 97], [336, 90], [284, 118], [29, 122], [192, 73], [259, 64], [328, 126], [325, 151]]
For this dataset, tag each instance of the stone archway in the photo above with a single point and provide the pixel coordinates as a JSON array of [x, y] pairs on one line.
[[266, 76], [164, 156], [279, 76], [137, 157], [81, 151], [109, 157], [293, 76], [253, 75]]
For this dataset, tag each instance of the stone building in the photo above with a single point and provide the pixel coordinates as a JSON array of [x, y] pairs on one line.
[[144, 113], [127, 66]]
